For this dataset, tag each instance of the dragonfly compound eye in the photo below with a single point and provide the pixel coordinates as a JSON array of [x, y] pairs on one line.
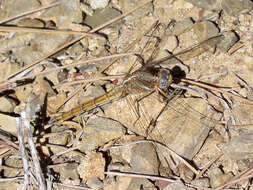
[[164, 79]]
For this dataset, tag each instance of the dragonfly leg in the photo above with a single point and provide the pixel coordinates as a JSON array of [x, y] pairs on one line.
[[163, 98], [137, 105], [153, 121], [166, 99], [140, 59]]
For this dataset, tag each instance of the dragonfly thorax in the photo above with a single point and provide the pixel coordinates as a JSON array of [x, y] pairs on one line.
[[165, 78]]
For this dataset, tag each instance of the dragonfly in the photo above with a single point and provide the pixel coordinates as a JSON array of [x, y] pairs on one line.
[[148, 78]]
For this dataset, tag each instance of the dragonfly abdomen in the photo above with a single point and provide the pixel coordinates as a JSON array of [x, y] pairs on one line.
[[113, 94]]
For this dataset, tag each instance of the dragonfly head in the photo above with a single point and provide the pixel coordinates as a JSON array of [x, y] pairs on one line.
[[165, 78]]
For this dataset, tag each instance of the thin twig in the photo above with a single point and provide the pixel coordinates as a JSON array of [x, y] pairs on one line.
[[59, 165], [9, 142], [217, 90], [145, 176], [6, 151], [65, 152], [245, 126], [242, 176], [43, 30], [162, 146], [35, 158], [29, 12], [92, 79], [20, 133], [9, 168], [245, 83], [66, 149], [75, 64], [230, 183], [71, 186], [10, 179], [236, 47], [209, 164]]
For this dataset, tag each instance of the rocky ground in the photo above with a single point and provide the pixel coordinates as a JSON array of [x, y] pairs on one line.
[[55, 56]]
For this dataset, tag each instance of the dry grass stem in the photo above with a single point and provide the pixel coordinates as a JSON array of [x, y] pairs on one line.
[[71, 186], [135, 175], [92, 79], [174, 154], [22, 149], [65, 152], [43, 30], [209, 165], [239, 98], [29, 12], [34, 153], [79, 63]]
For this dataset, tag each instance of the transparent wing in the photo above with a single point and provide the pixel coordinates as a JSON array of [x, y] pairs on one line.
[[184, 120], [190, 52]]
